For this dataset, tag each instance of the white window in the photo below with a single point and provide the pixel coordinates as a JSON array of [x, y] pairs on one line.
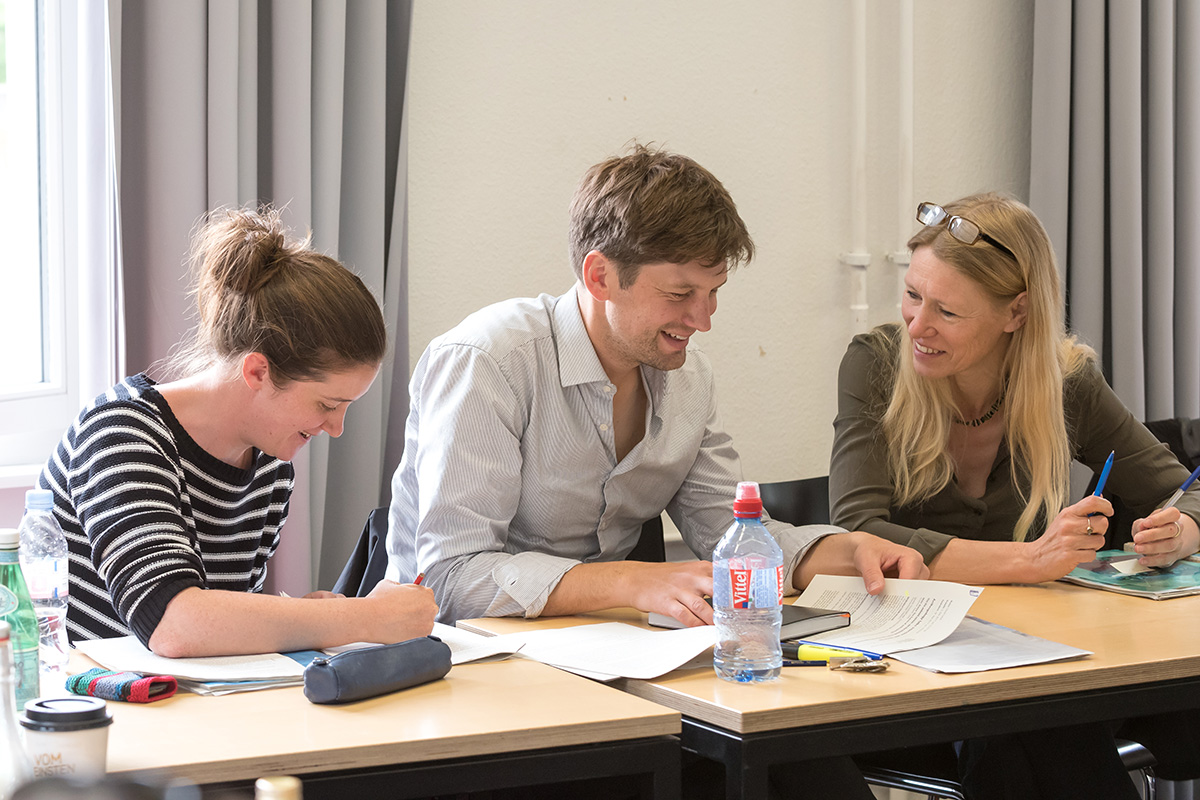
[[43, 222]]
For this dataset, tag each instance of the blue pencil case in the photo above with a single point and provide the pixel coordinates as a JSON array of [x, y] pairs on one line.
[[372, 671]]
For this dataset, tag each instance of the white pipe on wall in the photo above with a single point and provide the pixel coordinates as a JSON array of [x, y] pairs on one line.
[[859, 258], [906, 203]]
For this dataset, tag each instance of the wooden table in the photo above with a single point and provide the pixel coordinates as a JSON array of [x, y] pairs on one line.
[[485, 726], [1147, 659]]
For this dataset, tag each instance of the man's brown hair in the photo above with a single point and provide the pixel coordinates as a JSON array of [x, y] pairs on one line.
[[652, 206]]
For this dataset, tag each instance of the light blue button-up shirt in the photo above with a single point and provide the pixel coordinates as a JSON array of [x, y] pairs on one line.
[[510, 476]]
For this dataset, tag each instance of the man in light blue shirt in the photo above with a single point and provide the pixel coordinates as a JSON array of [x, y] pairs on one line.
[[544, 431]]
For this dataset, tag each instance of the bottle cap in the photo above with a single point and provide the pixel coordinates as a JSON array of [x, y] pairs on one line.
[[747, 502], [10, 539], [40, 499]]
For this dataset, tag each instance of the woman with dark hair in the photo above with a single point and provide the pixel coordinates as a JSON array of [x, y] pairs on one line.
[[172, 495]]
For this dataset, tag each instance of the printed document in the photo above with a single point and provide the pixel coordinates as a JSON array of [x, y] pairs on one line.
[[979, 645], [905, 616]]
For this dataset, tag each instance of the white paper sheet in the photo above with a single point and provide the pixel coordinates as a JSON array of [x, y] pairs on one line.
[[469, 646], [905, 616], [127, 654], [979, 645], [609, 650]]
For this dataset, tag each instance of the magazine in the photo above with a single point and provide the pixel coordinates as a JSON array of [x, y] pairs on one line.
[[1113, 572]]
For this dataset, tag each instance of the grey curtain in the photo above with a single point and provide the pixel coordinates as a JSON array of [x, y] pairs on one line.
[[1115, 176], [299, 103]]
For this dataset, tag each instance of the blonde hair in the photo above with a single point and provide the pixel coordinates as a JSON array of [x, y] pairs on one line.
[[919, 415]]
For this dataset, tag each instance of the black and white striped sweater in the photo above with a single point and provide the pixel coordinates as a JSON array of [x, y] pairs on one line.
[[147, 513]]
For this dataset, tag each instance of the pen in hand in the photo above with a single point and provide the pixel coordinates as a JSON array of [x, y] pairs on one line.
[[1104, 475], [417, 580], [1100, 483], [1183, 488]]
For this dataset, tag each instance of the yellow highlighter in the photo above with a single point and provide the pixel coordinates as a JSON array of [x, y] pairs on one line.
[[804, 654]]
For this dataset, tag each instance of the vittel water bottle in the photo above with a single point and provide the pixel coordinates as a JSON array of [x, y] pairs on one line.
[[44, 562], [747, 591]]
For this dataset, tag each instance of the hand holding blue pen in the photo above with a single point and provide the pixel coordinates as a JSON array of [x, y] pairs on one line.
[[1100, 484], [1178, 526], [1183, 488]]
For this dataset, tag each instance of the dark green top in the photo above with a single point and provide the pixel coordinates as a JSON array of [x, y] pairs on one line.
[[1144, 474]]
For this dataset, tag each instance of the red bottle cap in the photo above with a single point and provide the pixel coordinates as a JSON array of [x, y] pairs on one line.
[[747, 502]]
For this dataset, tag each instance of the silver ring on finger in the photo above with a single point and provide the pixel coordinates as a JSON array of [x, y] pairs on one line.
[[1178, 530]]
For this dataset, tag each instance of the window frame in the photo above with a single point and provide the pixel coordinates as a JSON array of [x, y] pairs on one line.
[[33, 418]]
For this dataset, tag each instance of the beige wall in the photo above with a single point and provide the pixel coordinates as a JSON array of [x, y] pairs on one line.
[[510, 102]]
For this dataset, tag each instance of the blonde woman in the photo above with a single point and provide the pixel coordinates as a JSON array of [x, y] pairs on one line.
[[955, 433]]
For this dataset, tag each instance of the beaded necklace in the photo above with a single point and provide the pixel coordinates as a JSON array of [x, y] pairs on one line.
[[991, 412]]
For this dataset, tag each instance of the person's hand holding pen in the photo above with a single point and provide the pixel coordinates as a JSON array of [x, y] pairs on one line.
[[1165, 536], [1072, 537]]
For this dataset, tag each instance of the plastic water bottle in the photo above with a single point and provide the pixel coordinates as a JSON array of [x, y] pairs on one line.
[[44, 562], [747, 592], [17, 611], [14, 766]]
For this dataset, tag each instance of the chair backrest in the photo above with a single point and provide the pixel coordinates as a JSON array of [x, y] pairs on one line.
[[368, 561], [650, 546], [799, 502]]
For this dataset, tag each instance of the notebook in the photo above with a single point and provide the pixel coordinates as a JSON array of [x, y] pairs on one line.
[[798, 621]]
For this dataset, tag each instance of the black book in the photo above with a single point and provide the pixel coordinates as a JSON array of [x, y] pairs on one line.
[[798, 621]]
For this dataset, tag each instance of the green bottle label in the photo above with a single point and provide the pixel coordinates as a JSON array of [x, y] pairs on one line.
[[8, 601], [28, 678]]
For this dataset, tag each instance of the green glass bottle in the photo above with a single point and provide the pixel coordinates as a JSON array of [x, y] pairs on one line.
[[17, 610]]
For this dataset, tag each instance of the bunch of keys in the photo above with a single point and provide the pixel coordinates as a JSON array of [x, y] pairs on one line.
[[859, 664]]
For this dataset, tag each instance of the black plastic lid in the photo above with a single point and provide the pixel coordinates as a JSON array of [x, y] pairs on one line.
[[65, 714]]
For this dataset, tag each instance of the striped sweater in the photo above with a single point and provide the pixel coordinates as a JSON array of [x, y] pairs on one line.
[[147, 513]]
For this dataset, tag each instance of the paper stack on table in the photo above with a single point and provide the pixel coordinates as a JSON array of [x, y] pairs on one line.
[[925, 624], [211, 675]]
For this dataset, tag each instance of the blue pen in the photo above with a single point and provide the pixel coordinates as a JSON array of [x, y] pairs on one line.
[[1104, 475], [859, 650], [1183, 488]]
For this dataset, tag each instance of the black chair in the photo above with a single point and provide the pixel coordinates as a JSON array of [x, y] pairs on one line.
[[369, 559], [799, 502], [650, 546]]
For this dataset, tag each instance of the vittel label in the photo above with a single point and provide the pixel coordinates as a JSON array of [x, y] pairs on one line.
[[755, 588], [740, 580]]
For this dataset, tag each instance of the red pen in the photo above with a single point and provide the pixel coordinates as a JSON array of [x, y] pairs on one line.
[[419, 578]]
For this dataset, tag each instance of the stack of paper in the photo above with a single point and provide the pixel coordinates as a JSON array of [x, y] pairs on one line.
[[213, 675], [924, 623]]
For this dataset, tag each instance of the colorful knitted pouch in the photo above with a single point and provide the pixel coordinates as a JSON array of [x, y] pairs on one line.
[[128, 687]]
